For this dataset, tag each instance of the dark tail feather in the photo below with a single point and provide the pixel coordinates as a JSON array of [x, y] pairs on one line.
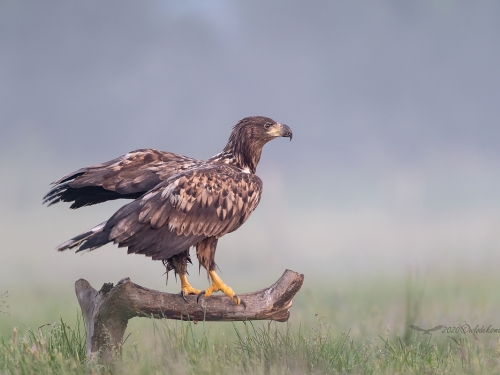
[[55, 194], [84, 196], [91, 239]]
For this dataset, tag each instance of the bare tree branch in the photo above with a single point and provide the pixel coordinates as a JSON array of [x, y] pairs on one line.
[[108, 311]]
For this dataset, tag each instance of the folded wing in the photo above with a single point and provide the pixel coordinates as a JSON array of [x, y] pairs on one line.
[[182, 211]]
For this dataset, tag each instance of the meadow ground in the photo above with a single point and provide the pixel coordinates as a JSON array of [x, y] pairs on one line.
[[353, 327]]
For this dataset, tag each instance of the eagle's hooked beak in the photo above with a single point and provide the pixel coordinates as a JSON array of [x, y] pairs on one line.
[[280, 130], [285, 131]]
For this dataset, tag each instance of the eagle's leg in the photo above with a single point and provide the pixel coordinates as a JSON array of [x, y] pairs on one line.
[[179, 264], [218, 284], [186, 288], [205, 251]]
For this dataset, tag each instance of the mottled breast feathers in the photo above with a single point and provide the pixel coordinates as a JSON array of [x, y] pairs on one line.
[[203, 202]]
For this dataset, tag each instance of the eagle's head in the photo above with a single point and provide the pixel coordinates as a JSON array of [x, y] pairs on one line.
[[249, 136], [260, 129]]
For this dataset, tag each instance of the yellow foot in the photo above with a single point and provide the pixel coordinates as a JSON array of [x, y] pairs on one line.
[[186, 288], [218, 284]]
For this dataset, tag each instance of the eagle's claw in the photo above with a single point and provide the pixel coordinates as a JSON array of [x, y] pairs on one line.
[[240, 301], [199, 295], [218, 285], [184, 296]]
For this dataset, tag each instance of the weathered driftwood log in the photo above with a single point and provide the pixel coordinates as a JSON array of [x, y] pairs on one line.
[[106, 312]]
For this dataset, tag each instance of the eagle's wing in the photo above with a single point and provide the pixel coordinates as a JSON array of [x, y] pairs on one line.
[[128, 176], [183, 210]]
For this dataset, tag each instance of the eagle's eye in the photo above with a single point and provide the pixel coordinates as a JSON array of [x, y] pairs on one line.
[[267, 125]]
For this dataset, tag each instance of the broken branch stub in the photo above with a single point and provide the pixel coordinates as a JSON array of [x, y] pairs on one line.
[[108, 311]]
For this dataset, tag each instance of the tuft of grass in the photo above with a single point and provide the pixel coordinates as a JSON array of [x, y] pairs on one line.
[[273, 349], [51, 349]]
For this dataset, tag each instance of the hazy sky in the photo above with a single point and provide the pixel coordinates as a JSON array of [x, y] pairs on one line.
[[394, 105]]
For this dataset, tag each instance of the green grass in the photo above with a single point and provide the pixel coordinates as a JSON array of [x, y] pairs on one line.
[[57, 349], [262, 348], [351, 328]]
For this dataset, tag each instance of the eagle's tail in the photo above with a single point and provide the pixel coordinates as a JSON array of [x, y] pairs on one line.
[[91, 239]]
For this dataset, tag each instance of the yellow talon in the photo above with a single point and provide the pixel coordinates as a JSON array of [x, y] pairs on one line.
[[186, 288], [218, 284]]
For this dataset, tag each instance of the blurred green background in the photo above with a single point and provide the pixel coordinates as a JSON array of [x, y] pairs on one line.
[[394, 165]]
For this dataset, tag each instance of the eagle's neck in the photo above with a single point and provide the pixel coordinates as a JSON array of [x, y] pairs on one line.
[[240, 151]]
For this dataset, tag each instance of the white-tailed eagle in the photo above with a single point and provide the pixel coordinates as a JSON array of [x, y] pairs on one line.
[[179, 202]]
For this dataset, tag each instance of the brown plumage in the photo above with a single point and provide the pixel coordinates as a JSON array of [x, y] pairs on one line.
[[179, 202], [128, 176]]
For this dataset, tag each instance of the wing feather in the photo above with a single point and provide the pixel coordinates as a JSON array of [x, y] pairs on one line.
[[184, 209], [128, 176], [181, 211]]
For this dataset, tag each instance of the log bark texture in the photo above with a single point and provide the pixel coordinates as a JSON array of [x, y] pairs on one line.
[[107, 312]]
